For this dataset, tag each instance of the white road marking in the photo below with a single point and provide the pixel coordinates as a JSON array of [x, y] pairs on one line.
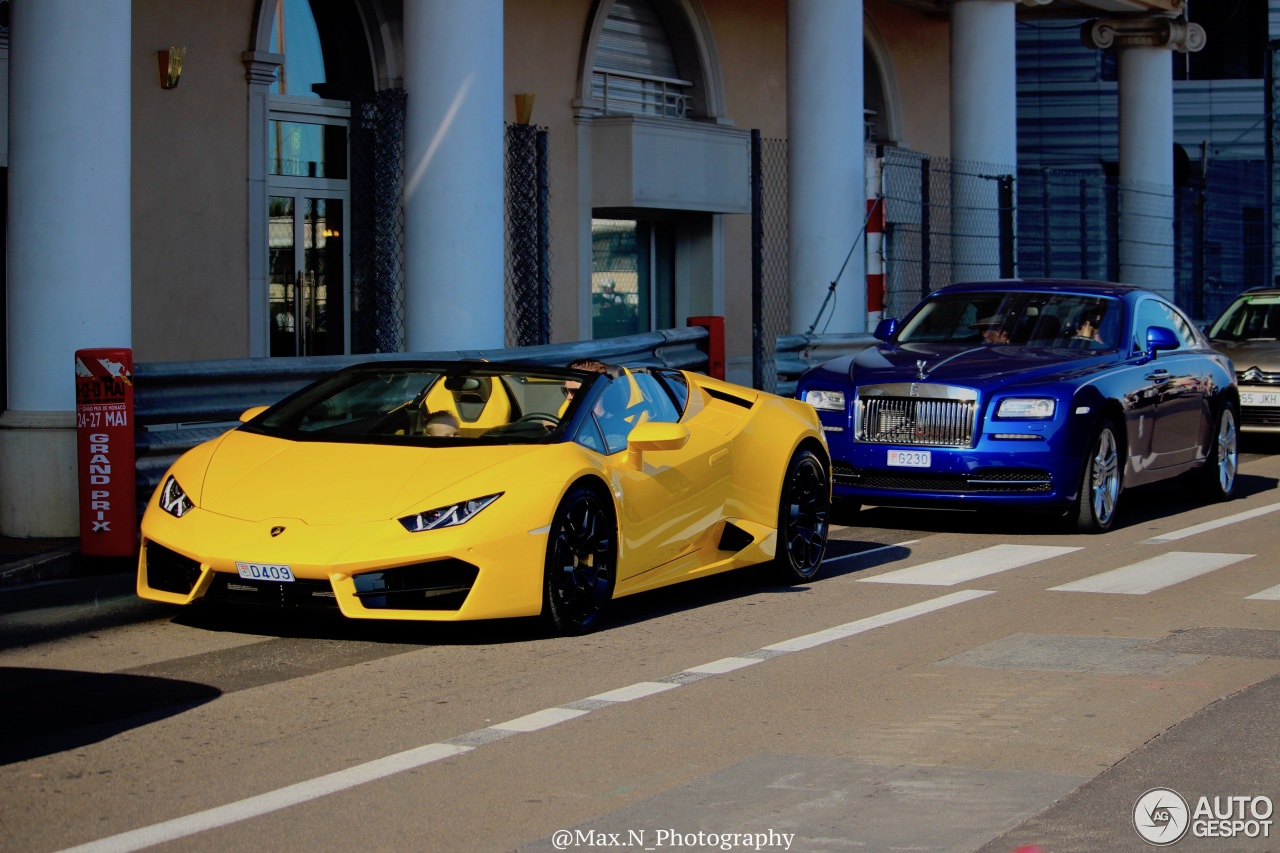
[[848, 629], [341, 780], [539, 720], [719, 667], [281, 798], [635, 691], [1272, 594], [967, 567], [1153, 574], [1214, 525]]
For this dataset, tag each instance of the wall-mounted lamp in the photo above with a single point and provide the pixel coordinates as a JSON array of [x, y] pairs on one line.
[[524, 108], [170, 62]]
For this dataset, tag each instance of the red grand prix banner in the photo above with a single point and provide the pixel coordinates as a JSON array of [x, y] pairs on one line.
[[104, 447]]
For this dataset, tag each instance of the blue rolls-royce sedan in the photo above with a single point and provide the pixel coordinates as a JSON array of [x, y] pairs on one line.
[[1049, 395]]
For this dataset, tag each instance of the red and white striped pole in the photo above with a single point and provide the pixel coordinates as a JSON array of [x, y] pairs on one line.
[[875, 241]]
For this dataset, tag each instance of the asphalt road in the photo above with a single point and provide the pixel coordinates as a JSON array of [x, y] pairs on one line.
[[953, 681]]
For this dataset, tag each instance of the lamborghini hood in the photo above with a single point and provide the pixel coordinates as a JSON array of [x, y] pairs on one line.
[[255, 477]]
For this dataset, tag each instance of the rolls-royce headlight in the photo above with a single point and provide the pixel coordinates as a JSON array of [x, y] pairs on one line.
[[173, 499], [1029, 408], [827, 401], [447, 516]]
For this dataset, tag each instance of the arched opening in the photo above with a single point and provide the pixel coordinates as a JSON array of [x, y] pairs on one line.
[[306, 171], [879, 90], [653, 256]]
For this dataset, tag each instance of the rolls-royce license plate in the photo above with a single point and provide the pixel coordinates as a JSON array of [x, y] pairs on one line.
[[910, 458]]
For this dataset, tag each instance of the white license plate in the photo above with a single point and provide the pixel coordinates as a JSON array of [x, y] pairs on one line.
[[910, 458], [265, 572], [1259, 397]]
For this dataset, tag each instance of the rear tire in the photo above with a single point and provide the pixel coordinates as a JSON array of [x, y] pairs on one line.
[[582, 562], [1095, 510], [1217, 479], [803, 509]]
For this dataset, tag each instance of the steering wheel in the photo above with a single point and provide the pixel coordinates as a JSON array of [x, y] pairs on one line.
[[551, 421]]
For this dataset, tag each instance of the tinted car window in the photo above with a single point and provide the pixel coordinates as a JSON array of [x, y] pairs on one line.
[[629, 400], [1153, 312], [1010, 317], [1250, 318]]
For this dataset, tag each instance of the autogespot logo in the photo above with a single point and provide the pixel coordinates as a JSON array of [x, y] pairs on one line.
[[1161, 816]]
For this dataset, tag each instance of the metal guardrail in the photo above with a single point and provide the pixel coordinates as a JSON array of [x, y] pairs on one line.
[[797, 353], [180, 404]]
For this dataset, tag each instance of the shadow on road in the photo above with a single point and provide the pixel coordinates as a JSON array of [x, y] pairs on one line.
[[44, 711]]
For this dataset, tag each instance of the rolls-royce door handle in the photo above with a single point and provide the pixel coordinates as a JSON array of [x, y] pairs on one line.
[[1159, 375]]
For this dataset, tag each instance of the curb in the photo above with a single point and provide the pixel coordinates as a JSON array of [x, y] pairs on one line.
[[58, 564]]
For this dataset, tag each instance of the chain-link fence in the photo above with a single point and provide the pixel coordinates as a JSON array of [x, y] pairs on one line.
[[378, 230], [1207, 240], [770, 302], [948, 221], [377, 222], [945, 221], [528, 292]]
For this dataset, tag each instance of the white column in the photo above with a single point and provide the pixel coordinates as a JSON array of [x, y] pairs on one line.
[[984, 130], [1145, 93], [826, 142], [1146, 168], [69, 240], [454, 175]]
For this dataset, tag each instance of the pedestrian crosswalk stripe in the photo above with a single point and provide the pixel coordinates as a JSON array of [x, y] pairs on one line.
[[976, 564], [1153, 574], [1213, 525], [1272, 594]]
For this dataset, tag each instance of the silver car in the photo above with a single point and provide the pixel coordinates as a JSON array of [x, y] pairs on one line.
[[1248, 333]]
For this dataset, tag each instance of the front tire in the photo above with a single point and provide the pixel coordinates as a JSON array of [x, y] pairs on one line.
[[1100, 482], [803, 510], [1217, 479], [582, 561]]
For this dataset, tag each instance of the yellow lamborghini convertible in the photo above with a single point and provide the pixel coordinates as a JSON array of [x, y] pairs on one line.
[[480, 490]]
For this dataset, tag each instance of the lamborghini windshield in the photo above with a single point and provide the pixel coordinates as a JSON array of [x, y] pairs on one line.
[[431, 403], [1018, 318]]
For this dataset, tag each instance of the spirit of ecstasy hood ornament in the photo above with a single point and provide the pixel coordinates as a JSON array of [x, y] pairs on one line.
[[920, 364]]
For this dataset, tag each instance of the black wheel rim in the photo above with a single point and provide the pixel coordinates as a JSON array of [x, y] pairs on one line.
[[580, 569], [806, 504]]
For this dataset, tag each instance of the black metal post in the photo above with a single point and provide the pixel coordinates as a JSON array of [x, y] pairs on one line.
[[925, 172], [1084, 228], [757, 263], [1271, 77], [1006, 204]]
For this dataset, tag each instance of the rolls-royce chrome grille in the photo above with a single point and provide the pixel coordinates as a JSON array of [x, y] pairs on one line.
[[919, 414]]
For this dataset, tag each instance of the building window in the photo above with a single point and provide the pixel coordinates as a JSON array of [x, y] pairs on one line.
[[294, 35], [307, 177], [635, 69]]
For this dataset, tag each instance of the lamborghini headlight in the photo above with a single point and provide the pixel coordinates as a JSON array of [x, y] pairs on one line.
[[447, 516], [173, 499], [1030, 408], [829, 401]]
